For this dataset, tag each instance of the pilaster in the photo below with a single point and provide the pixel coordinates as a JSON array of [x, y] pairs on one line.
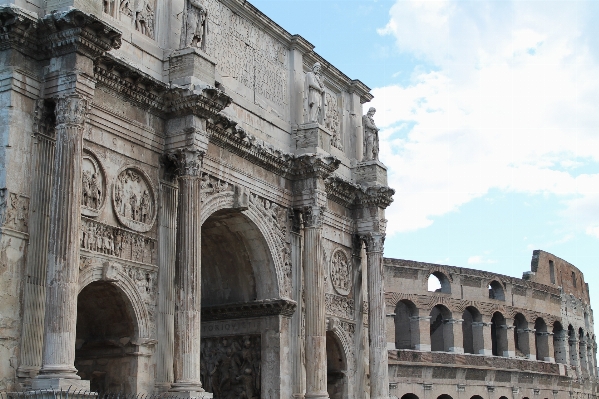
[[454, 336], [481, 334], [421, 336], [510, 341], [298, 340], [561, 347]]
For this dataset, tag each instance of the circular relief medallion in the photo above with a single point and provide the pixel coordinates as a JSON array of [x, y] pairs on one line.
[[133, 200], [93, 190], [341, 272]]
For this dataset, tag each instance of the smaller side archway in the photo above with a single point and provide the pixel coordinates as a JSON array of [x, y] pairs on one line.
[[499, 335], [496, 291], [409, 396], [336, 367], [521, 336], [476, 397], [541, 340], [438, 282], [444, 396], [472, 331], [560, 343], [441, 331], [405, 333]]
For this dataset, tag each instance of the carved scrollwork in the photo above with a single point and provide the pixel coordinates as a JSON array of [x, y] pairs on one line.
[[187, 160], [133, 200], [341, 272], [93, 186]]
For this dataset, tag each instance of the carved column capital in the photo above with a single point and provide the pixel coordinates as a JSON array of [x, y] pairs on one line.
[[71, 110], [375, 242], [188, 161], [313, 216]]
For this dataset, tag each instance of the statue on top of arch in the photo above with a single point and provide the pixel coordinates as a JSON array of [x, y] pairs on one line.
[[193, 30]]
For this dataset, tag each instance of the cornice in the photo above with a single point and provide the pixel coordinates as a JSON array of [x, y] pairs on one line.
[[341, 191], [205, 101], [313, 166], [266, 307], [381, 196], [18, 29]]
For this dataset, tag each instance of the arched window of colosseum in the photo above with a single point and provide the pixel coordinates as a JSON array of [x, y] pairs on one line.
[[521, 335], [441, 331], [496, 291], [472, 330], [552, 272], [444, 396], [404, 311], [501, 397], [499, 335], [560, 342], [541, 339], [438, 282], [573, 279], [409, 396], [476, 397], [586, 321]]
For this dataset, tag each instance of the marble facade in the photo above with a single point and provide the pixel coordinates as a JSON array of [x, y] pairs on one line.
[[186, 206]]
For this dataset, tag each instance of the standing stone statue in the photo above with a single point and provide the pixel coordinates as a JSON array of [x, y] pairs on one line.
[[193, 30], [371, 136], [314, 89]]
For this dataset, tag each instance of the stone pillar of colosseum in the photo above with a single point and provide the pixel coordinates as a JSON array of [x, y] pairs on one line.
[[511, 342], [582, 351], [550, 348], [316, 355], [188, 297], [62, 285], [561, 348], [481, 334], [390, 327], [379, 373], [454, 335], [574, 355], [528, 336], [421, 334]]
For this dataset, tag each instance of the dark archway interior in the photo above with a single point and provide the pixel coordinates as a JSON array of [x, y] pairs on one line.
[[403, 324], [105, 331], [233, 253], [336, 367], [409, 396]]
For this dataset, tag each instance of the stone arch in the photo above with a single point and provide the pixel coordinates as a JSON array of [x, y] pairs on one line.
[[521, 335], [409, 396], [115, 275], [340, 358], [541, 339], [499, 335], [441, 332], [280, 253], [405, 333], [496, 290], [472, 331], [444, 278]]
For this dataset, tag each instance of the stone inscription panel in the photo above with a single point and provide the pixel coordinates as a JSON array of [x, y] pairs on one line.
[[248, 54]]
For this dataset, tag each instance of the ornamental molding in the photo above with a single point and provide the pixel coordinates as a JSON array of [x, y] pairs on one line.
[[18, 29], [261, 308]]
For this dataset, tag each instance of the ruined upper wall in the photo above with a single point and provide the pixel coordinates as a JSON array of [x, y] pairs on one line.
[[548, 269]]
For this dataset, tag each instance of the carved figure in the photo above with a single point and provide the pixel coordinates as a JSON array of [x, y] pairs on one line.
[[144, 206], [371, 136], [340, 272], [193, 30], [313, 90], [95, 191], [144, 18], [125, 8], [133, 200]]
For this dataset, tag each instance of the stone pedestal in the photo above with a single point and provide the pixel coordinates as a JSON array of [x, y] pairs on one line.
[[316, 346], [191, 66], [311, 138], [63, 250], [371, 173], [379, 372], [421, 336]]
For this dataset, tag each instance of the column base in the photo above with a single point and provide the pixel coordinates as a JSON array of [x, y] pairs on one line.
[[422, 347], [58, 383], [456, 349], [190, 394], [485, 352], [316, 395]]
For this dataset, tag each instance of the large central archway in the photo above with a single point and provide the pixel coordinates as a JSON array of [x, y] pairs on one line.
[[244, 320]]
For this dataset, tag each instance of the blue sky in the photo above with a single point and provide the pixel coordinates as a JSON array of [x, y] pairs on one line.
[[489, 122]]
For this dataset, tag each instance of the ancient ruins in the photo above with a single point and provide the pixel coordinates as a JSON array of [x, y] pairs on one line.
[[191, 203]]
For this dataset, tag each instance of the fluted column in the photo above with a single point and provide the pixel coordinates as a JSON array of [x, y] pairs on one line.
[[188, 296], [316, 346], [297, 342], [62, 271], [379, 373]]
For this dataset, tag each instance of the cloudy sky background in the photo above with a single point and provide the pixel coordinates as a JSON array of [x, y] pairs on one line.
[[489, 122]]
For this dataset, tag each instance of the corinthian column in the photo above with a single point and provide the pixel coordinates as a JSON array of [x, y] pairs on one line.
[[316, 345], [62, 274], [188, 295], [379, 374]]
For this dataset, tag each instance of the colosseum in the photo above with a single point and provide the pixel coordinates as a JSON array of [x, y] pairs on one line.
[[192, 206], [486, 335]]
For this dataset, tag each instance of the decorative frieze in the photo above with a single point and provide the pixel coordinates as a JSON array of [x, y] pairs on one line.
[[341, 272], [340, 306], [114, 241], [262, 308], [231, 366], [14, 210], [134, 200]]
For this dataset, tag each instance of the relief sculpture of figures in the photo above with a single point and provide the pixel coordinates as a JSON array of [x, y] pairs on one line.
[[313, 90], [144, 18], [193, 30], [371, 137]]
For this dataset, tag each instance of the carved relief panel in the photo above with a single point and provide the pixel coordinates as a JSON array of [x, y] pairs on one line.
[[332, 119], [141, 14], [341, 272], [14, 210], [231, 366], [133, 200], [93, 185]]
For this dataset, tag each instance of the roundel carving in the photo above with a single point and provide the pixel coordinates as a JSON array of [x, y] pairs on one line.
[[341, 272], [93, 187], [133, 200]]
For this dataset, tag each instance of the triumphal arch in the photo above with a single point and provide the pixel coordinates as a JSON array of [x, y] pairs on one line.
[[191, 202]]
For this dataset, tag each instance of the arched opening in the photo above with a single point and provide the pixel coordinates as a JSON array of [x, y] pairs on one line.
[[560, 342], [476, 397], [404, 311], [438, 282], [472, 331], [521, 336], [496, 291], [238, 280], [541, 339], [573, 345], [444, 396], [501, 397], [499, 335], [409, 396], [336, 368], [441, 332], [105, 346]]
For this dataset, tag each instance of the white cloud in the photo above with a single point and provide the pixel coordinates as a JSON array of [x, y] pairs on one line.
[[509, 101]]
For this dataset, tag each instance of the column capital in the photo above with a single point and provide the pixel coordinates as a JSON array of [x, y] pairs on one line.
[[187, 160], [70, 110], [313, 216], [420, 318], [375, 242]]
